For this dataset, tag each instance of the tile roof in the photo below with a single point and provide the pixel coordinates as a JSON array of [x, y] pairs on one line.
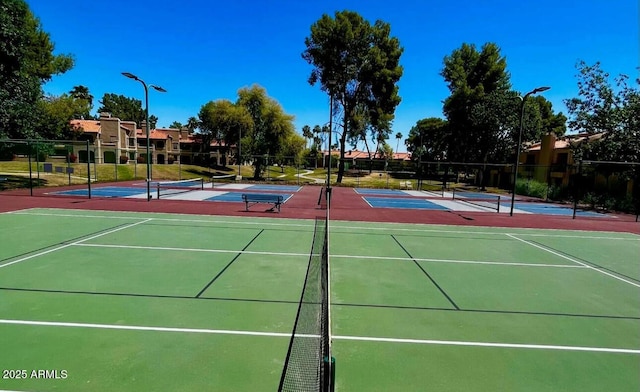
[[89, 126], [568, 140]]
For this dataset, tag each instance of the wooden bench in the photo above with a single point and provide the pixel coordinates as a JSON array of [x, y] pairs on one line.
[[255, 198]]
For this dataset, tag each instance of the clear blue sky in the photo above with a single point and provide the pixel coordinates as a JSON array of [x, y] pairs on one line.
[[203, 50]]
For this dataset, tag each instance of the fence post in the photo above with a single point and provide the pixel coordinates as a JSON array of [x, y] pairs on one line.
[[38, 161], [95, 166], [30, 171], [88, 170], [69, 162], [576, 193]]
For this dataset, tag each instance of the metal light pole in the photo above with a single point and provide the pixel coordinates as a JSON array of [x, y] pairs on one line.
[[515, 173], [331, 83], [146, 100]]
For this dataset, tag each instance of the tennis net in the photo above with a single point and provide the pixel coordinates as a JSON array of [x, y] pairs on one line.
[[168, 188], [309, 365], [485, 201]]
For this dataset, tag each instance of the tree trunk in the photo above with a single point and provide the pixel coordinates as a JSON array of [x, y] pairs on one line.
[[258, 168]]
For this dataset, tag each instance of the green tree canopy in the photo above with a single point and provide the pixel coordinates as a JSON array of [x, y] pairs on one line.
[[223, 120], [258, 119], [427, 140], [124, 108], [358, 64], [27, 62], [471, 76], [603, 107], [82, 92], [56, 114], [271, 126]]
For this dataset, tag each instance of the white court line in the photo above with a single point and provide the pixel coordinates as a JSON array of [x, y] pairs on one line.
[[193, 250], [332, 256], [212, 221], [143, 328], [489, 344], [575, 261], [457, 261], [71, 244], [336, 226], [338, 337]]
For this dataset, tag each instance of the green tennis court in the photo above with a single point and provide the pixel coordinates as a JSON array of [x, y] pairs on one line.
[[104, 301]]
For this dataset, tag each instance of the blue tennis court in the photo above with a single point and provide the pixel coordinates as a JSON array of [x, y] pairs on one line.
[[552, 209], [408, 203], [107, 191]]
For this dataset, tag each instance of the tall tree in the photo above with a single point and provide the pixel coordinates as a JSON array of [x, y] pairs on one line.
[[271, 126], [192, 124], [552, 122], [82, 92], [306, 133], [153, 121], [358, 65], [603, 107], [427, 140], [223, 120], [471, 75], [176, 125], [124, 108], [56, 114], [398, 137], [27, 62]]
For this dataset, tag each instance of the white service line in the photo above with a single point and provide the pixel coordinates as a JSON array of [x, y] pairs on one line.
[[338, 337], [185, 220], [457, 261], [143, 328], [193, 250], [575, 261], [71, 244], [164, 248], [489, 344]]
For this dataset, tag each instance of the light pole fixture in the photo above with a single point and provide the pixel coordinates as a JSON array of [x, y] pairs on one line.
[[515, 172], [146, 101]]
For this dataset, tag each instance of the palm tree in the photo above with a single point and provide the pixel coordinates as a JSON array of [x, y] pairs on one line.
[[192, 124], [398, 137], [82, 92], [306, 133]]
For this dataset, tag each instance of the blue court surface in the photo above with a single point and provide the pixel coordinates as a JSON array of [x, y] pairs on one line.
[[408, 203], [107, 191], [551, 209]]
